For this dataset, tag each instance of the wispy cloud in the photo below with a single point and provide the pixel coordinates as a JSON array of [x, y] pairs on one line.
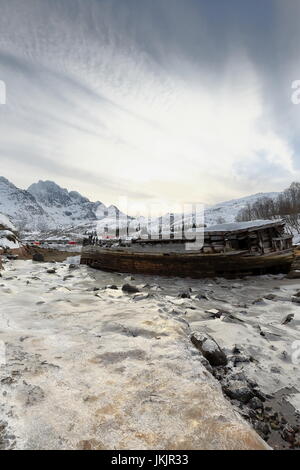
[[173, 100]]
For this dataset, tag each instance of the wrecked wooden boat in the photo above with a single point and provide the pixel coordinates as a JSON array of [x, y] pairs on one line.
[[228, 250]]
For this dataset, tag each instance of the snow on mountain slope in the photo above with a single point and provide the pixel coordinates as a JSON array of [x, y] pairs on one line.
[[8, 234], [228, 210], [22, 208], [49, 210], [66, 208]]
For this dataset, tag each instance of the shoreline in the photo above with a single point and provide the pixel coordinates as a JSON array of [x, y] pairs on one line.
[[249, 310]]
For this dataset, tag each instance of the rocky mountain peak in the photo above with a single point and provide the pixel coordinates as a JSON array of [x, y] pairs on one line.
[[49, 193]]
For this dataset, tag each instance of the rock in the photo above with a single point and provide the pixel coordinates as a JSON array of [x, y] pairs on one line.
[[236, 376], [12, 257], [262, 428], [141, 296], [184, 295], [287, 319], [73, 266], [209, 348], [38, 257], [255, 404], [51, 271], [240, 358], [296, 299], [201, 297], [229, 318], [270, 297], [129, 289], [112, 286], [258, 302], [288, 434], [238, 390], [214, 312]]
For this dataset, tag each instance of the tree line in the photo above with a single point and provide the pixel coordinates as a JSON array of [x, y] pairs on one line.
[[285, 206]]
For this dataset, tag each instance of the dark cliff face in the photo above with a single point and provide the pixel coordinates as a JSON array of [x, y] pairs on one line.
[[49, 193], [67, 207]]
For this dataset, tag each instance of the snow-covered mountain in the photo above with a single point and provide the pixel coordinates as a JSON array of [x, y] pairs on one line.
[[48, 209], [65, 208], [228, 210], [22, 208]]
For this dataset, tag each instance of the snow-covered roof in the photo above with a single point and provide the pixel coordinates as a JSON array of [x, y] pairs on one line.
[[243, 226]]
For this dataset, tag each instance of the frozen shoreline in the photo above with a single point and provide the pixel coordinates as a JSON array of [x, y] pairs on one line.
[[99, 368]]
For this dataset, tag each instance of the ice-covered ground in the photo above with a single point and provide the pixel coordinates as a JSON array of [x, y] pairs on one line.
[[87, 366]]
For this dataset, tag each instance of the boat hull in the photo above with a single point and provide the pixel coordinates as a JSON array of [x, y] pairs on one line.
[[194, 265]]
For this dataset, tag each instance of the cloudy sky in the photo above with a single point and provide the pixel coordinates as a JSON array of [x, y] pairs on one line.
[[178, 100]]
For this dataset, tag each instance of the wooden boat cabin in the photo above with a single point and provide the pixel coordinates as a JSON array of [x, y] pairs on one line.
[[229, 249]]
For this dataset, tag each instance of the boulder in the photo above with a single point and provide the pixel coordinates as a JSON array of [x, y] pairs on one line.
[[255, 404], [38, 257], [73, 266], [209, 349], [184, 295], [51, 271], [287, 319], [11, 256], [129, 289], [238, 390]]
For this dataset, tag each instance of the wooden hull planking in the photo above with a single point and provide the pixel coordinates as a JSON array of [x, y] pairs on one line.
[[192, 265]]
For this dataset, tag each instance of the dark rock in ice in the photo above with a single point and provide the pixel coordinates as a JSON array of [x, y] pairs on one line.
[[237, 376], [255, 404], [214, 313], [12, 257], [270, 297], [238, 390], [275, 370], [230, 318], [258, 302], [38, 257], [201, 297], [112, 286], [73, 266], [141, 296], [287, 319], [262, 428], [209, 348], [184, 295], [288, 434], [51, 271], [239, 358], [129, 289]]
